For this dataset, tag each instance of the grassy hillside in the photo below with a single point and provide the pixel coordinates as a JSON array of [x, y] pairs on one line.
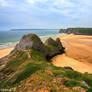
[[86, 31], [36, 74]]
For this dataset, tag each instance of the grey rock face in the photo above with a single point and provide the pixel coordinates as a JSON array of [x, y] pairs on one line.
[[49, 49], [28, 42]]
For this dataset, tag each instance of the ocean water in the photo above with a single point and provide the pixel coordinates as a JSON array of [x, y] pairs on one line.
[[11, 38]]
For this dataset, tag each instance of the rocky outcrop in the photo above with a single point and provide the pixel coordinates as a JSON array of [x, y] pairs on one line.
[[50, 41], [28, 42], [54, 46], [49, 49]]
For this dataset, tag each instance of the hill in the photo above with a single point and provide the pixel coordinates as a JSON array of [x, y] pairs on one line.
[[29, 70], [82, 31]]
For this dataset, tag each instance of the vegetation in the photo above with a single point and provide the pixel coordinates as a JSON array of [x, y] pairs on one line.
[[36, 74], [86, 31]]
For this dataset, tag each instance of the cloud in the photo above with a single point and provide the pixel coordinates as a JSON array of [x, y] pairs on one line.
[[3, 3], [46, 13], [7, 3], [35, 1], [63, 3], [66, 7]]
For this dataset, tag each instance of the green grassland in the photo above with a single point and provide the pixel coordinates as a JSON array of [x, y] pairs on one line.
[[37, 73]]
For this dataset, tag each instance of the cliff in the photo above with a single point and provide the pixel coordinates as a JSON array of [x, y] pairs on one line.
[[78, 31], [49, 49], [28, 69]]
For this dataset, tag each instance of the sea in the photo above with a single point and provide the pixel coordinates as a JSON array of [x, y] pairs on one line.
[[12, 37]]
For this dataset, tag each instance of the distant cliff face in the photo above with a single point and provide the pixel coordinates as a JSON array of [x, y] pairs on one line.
[[49, 49], [78, 31]]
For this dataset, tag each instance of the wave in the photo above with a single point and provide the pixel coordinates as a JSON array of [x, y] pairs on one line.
[[43, 38], [8, 44]]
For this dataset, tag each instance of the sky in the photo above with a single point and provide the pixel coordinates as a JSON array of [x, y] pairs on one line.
[[17, 14]]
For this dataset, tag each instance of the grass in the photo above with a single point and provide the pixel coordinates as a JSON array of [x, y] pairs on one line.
[[43, 73], [28, 70], [18, 58], [72, 83]]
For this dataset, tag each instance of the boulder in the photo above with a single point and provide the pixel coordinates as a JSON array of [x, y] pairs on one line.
[[70, 68]]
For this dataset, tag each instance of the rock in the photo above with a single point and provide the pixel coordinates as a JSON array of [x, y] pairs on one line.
[[28, 42], [68, 68], [55, 47], [86, 72], [50, 41], [60, 46], [49, 49], [85, 84]]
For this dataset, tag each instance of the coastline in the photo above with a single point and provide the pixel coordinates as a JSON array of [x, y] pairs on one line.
[[5, 51], [77, 46], [77, 56]]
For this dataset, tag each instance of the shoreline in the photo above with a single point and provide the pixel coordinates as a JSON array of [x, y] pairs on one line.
[[64, 39], [77, 52], [5, 51]]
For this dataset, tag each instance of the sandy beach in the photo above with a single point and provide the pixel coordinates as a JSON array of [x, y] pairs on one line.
[[78, 47], [6, 51], [78, 54]]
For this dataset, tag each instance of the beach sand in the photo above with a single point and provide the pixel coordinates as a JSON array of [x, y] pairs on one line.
[[65, 61], [78, 53], [78, 47], [5, 51]]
